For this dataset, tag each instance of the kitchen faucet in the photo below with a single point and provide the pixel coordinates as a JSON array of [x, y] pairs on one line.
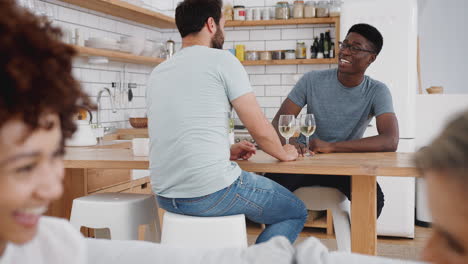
[[98, 118]]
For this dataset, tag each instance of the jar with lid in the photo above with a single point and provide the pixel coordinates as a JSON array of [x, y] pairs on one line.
[[282, 10], [239, 12], [335, 8], [289, 54], [301, 51], [309, 9], [265, 55], [228, 12], [322, 9], [298, 9]]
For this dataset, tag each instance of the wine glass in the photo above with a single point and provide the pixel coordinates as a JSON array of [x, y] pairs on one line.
[[286, 126], [307, 127]]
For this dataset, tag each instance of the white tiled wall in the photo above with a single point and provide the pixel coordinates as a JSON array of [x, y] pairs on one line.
[[270, 83]]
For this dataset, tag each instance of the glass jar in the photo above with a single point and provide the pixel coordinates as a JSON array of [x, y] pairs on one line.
[[298, 9], [309, 9], [301, 51], [265, 55], [282, 10], [335, 8], [239, 13], [322, 9], [289, 54]]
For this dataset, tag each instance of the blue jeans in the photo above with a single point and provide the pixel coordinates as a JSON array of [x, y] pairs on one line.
[[260, 199]]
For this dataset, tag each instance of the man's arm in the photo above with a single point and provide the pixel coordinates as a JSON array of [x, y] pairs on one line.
[[386, 141], [259, 127]]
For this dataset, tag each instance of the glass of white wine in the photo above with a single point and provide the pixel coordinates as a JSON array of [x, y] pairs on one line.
[[307, 127], [287, 126]]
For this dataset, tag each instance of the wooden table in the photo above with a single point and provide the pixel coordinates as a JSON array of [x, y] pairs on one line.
[[362, 167]]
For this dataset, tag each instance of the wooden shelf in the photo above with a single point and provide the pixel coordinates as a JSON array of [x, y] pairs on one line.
[[280, 22], [119, 8], [290, 62], [117, 56]]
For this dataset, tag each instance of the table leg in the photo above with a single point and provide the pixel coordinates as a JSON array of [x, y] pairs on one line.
[[364, 215]]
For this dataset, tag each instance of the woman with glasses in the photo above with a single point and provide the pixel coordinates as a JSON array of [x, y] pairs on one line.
[[344, 100]]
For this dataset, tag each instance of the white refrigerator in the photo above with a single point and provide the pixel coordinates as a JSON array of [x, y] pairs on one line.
[[396, 67]]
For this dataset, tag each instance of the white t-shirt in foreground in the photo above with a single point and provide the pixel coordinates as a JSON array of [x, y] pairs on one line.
[[56, 242]]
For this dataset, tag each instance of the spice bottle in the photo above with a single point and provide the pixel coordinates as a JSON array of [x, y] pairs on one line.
[[320, 47], [300, 50], [314, 49]]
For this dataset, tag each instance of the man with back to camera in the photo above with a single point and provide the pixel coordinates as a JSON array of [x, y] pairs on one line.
[[343, 101], [189, 99]]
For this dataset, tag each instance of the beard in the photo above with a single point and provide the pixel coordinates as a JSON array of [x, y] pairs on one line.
[[217, 41]]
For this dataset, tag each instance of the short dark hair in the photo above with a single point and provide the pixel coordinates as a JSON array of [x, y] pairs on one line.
[[370, 33], [448, 152], [36, 71], [191, 15]]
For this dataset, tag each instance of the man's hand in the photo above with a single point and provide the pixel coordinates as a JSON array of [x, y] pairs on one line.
[[319, 146], [301, 149], [291, 151], [242, 150]]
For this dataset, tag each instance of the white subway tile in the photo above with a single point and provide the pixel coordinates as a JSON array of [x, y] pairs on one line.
[[281, 69], [265, 79], [89, 75], [255, 69], [297, 33], [269, 101], [271, 112], [312, 67], [281, 45], [287, 79], [259, 90], [278, 90], [265, 34], [252, 45], [237, 35]]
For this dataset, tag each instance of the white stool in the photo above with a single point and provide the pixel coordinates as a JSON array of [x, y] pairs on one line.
[[122, 213], [319, 198], [201, 232]]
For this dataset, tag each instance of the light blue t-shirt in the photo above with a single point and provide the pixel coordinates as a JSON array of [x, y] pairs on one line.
[[188, 104], [341, 113]]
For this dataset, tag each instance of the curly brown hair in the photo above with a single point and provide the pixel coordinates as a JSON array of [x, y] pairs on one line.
[[36, 76]]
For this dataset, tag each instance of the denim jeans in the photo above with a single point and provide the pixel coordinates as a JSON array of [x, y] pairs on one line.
[[260, 199]]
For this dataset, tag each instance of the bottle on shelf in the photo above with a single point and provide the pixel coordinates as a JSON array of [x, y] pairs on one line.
[[320, 53], [314, 49], [332, 50], [326, 45]]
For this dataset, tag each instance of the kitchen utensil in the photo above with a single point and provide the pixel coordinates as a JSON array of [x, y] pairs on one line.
[[138, 122], [170, 48], [84, 135]]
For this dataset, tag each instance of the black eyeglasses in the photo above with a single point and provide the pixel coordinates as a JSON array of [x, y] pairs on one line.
[[354, 50]]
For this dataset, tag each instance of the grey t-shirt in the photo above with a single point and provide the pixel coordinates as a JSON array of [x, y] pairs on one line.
[[341, 113], [188, 103]]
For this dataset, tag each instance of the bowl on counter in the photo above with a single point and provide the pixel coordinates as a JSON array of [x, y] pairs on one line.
[[138, 122]]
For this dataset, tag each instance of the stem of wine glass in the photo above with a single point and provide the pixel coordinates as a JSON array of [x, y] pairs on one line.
[[287, 141], [307, 144]]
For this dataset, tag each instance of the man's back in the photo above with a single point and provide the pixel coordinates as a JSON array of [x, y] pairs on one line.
[[188, 102]]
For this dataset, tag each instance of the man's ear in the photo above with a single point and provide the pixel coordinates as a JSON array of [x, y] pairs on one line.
[[372, 58], [211, 25]]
